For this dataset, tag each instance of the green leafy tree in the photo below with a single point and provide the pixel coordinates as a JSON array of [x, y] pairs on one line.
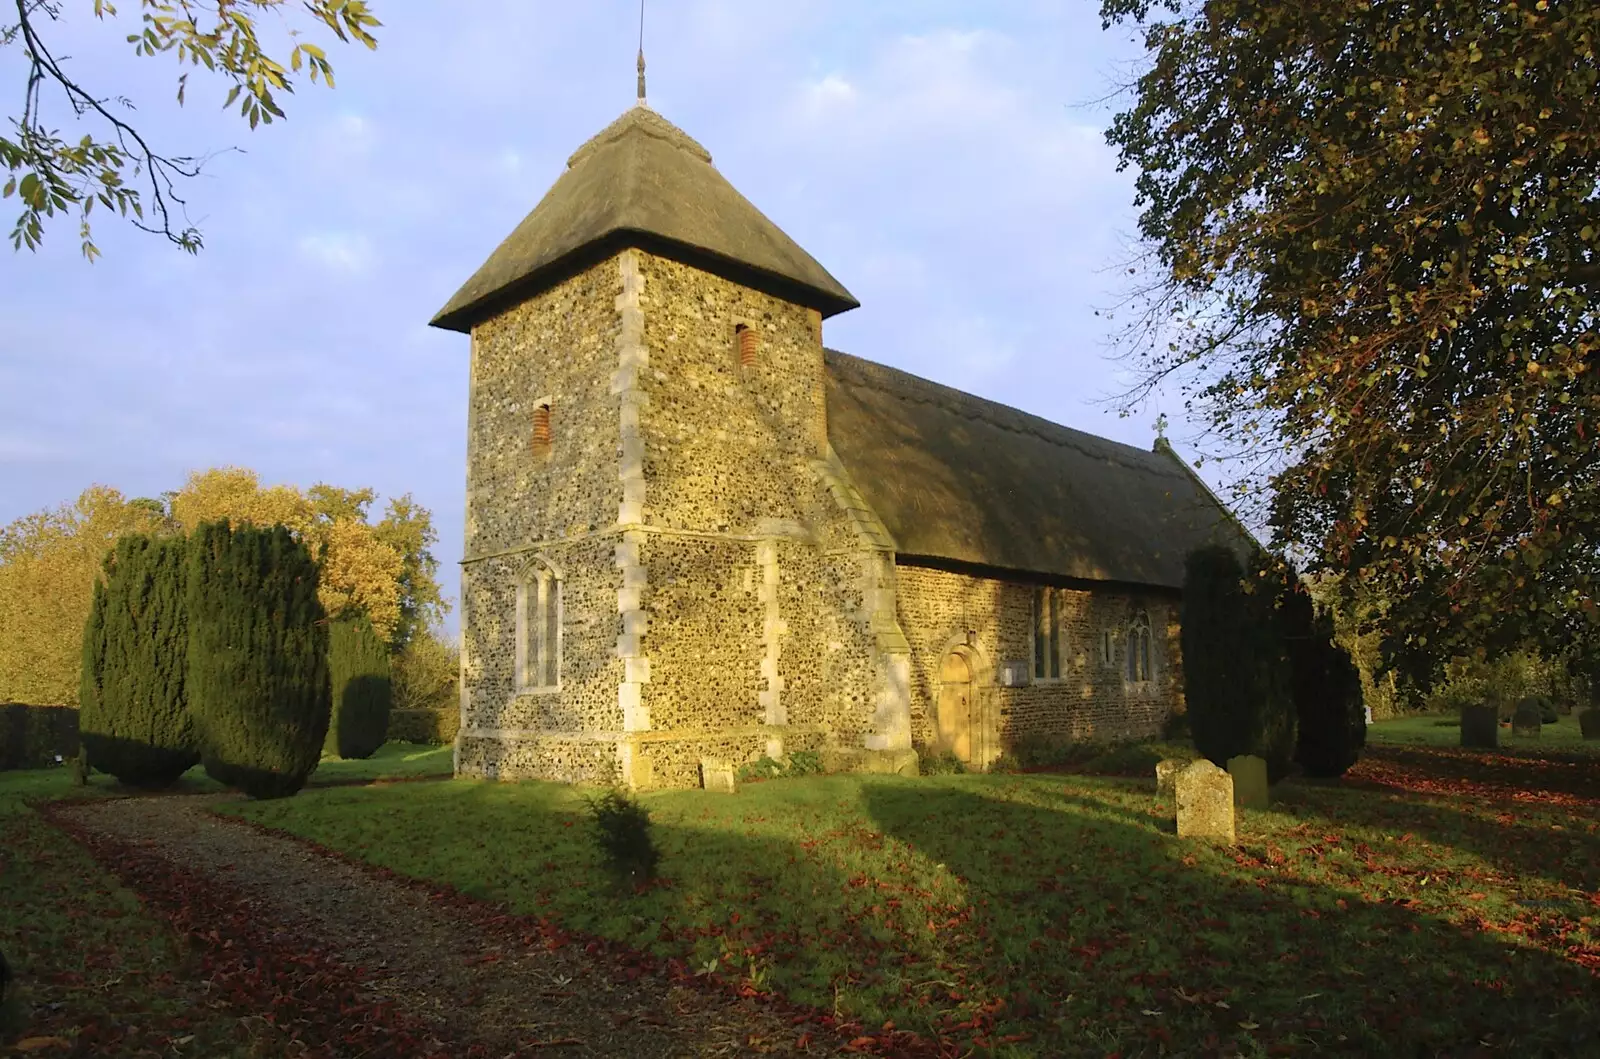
[[258, 658], [133, 711], [54, 174], [1371, 234], [358, 666]]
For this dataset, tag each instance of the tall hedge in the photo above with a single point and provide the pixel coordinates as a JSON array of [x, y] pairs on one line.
[[1235, 663], [258, 658], [1327, 691], [358, 665], [133, 716]]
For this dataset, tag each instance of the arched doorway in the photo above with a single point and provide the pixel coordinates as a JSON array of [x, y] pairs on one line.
[[955, 705]]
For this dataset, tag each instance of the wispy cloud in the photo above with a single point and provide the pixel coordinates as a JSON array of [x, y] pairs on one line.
[[931, 155]]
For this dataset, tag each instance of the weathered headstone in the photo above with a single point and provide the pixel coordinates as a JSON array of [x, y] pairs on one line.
[[717, 774], [1205, 802], [1249, 781], [1589, 723], [1480, 727], [1167, 770], [1368, 710], [1526, 720]]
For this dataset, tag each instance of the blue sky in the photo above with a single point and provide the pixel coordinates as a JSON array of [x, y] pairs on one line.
[[946, 161]]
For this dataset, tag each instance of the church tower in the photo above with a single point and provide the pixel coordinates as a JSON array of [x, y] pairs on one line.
[[665, 561]]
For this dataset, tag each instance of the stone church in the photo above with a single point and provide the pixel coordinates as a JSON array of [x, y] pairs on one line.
[[694, 531]]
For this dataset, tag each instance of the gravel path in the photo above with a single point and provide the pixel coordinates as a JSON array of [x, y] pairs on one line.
[[435, 962]]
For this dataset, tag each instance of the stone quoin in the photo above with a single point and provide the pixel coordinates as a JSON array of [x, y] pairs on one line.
[[693, 532]]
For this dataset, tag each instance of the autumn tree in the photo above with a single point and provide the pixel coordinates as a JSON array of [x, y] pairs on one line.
[[113, 163], [48, 564], [383, 569], [1370, 236]]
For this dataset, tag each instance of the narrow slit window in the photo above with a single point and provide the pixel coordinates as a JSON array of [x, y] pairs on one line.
[[538, 646], [542, 437], [1046, 635], [1039, 619], [747, 341], [1054, 598]]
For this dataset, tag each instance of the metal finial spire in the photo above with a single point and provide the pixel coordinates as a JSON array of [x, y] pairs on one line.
[[641, 51]]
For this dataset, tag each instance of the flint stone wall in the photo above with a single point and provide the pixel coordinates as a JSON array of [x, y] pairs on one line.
[[723, 593], [712, 586]]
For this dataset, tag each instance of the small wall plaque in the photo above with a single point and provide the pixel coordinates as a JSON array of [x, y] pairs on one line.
[[1012, 674]]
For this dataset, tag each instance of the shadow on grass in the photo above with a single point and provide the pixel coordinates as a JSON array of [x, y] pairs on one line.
[[981, 908], [1115, 933], [1516, 840], [1554, 771]]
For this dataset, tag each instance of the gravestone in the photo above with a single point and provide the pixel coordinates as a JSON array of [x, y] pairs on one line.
[[1480, 727], [1249, 781], [1526, 720], [1368, 710], [717, 774], [1167, 770], [1589, 723], [1205, 802]]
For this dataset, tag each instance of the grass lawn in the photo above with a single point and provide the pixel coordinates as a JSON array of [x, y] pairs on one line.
[[96, 973], [1057, 915], [1430, 730]]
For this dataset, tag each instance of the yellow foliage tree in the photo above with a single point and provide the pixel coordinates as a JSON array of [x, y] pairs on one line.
[[48, 562]]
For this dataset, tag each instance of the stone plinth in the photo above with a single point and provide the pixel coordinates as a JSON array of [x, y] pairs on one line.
[[1480, 727], [1249, 781], [717, 774], [1167, 771]]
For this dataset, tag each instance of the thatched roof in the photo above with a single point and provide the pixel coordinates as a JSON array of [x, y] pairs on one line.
[[643, 182], [955, 477]]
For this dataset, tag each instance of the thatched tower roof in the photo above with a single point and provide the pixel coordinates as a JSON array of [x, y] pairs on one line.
[[954, 477], [643, 182]]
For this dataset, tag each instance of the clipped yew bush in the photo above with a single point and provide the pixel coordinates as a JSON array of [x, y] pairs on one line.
[[133, 713], [258, 658], [1235, 663], [1326, 685], [358, 668]]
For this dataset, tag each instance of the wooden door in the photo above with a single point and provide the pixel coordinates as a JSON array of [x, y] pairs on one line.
[[955, 706]]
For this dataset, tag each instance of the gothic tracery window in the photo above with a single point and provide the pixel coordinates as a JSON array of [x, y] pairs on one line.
[[1138, 660]]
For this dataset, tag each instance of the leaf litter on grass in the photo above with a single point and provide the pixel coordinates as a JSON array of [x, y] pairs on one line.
[[1032, 914]]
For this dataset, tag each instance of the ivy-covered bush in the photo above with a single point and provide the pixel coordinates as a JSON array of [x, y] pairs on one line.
[[258, 658], [1332, 724], [133, 706], [358, 667]]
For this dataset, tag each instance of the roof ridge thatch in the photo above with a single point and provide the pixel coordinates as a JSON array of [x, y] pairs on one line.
[[996, 413], [643, 182], [953, 476]]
